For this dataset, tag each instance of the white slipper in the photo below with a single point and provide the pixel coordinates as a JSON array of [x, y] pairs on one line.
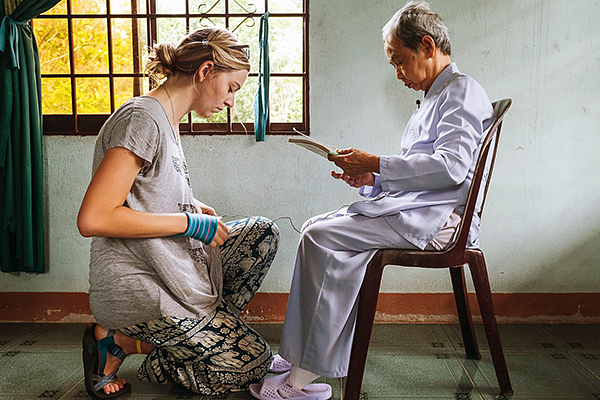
[[278, 388], [279, 364]]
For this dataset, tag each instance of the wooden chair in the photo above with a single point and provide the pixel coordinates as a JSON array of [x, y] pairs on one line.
[[454, 258]]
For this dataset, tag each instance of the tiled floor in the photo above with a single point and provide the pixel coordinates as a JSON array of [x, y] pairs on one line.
[[405, 362]]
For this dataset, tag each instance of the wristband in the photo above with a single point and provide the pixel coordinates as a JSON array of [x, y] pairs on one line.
[[201, 227]]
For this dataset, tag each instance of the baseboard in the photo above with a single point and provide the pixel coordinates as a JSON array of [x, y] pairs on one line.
[[511, 308]]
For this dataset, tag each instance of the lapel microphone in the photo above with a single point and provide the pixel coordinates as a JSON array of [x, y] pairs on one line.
[[418, 104]]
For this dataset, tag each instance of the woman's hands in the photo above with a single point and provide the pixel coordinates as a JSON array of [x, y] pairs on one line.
[[222, 230], [202, 208], [221, 235], [358, 167]]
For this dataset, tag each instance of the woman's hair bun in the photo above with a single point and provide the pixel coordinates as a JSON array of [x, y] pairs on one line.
[[205, 44], [165, 52], [161, 61]]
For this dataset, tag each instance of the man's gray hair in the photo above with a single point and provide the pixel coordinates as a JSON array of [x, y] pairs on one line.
[[414, 21]]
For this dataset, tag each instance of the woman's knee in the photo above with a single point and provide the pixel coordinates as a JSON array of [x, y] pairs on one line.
[[267, 226], [269, 232]]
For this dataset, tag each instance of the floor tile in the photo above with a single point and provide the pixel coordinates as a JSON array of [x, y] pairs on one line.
[[576, 336], [515, 337], [536, 375], [146, 390], [550, 362], [409, 335], [12, 332], [590, 359], [79, 392], [418, 372], [25, 373], [53, 337]]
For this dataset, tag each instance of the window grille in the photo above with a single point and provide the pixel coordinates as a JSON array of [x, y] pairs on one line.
[[92, 55]]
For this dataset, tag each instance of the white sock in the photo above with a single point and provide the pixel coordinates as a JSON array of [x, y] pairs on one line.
[[299, 377]]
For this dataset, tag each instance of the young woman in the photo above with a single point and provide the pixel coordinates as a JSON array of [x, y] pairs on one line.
[[168, 278]]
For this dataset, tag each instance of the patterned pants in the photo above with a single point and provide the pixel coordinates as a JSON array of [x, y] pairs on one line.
[[219, 353]]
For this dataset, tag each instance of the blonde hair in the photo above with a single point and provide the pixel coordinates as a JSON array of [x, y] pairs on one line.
[[206, 44], [414, 21]]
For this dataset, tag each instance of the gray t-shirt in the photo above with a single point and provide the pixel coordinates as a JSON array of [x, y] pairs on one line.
[[138, 280]]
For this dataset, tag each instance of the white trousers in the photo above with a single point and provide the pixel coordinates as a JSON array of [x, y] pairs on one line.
[[332, 258]]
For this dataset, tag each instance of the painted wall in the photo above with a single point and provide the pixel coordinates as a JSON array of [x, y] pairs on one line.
[[541, 228]]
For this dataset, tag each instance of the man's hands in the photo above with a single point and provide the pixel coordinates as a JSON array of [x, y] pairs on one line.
[[357, 181], [358, 167], [355, 162]]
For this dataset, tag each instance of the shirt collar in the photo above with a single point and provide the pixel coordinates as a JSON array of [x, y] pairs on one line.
[[443, 78]]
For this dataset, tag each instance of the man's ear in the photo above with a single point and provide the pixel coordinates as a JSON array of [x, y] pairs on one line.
[[205, 69], [428, 46]]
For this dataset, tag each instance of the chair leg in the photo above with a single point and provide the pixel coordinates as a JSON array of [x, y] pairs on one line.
[[464, 312], [367, 305], [484, 296]]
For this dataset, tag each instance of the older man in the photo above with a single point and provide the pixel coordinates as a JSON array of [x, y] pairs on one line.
[[415, 200]]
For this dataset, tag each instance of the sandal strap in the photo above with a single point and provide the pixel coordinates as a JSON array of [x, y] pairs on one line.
[[279, 364], [103, 380], [108, 345], [117, 351]]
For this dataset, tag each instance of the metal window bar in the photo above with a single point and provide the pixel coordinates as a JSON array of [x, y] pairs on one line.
[[72, 67], [111, 82], [86, 124], [136, 53]]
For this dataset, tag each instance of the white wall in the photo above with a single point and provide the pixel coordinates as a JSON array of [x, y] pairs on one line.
[[541, 227]]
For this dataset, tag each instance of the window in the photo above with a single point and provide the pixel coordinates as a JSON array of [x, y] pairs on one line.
[[93, 52]]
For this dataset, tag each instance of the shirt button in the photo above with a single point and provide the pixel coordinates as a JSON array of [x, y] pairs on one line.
[[412, 130]]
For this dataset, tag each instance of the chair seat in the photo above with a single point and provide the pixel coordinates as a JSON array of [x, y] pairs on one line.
[[426, 259]]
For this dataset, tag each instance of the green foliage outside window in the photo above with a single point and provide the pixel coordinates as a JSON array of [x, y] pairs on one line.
[[91, 54]]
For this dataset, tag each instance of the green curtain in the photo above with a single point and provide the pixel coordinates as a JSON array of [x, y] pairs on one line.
[[21, 159], [261, 99]]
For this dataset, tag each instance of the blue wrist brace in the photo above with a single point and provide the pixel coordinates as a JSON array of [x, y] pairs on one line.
[[201, 227]]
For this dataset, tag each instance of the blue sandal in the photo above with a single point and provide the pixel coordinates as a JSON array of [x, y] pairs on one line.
[[93, 368]]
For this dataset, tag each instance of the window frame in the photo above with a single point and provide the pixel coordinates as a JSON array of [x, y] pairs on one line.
[[90, 124]]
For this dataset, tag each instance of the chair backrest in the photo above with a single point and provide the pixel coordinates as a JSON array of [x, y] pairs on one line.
[[491, 142]]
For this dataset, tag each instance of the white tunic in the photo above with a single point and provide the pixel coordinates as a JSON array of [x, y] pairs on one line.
[[417, 190], [411, 200]]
